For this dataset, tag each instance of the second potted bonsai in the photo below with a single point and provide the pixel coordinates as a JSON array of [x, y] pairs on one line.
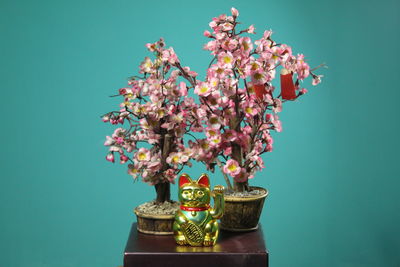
[[240, 104]]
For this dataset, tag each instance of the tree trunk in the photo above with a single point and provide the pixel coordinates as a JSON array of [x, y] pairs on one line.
[[163, 192], [237, 155], [241, 187], [163, 188]]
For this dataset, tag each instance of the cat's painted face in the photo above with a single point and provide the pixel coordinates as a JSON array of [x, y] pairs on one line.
[[194, 193]]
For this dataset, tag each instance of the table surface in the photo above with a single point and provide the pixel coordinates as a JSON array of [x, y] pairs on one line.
[[232, 249]]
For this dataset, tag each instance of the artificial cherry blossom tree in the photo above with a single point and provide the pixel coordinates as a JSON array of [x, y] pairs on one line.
[[154, 115], [239, 101], [236, 110]]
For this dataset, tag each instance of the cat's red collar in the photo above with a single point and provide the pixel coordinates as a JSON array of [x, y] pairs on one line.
[[195, 208]]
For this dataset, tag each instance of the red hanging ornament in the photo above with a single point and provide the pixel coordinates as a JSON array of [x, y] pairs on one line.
[[260, 91], [288, 91]]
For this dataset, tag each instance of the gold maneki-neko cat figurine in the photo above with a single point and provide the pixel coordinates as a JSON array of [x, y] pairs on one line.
[[196, 222]]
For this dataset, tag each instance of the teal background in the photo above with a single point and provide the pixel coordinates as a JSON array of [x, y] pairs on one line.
[[333, 176]]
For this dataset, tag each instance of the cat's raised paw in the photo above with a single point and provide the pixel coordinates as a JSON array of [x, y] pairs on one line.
[[219, 189]]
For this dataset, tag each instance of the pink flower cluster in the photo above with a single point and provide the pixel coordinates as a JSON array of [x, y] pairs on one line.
[[237, 97], [158, 113]]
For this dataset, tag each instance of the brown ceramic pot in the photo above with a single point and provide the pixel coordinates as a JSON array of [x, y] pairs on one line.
[[155, 224], [243, 213]]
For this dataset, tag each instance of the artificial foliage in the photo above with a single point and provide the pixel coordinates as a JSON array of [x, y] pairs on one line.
[[229, 122]]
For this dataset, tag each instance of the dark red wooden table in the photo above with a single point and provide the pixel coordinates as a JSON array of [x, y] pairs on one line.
[[232, 249]]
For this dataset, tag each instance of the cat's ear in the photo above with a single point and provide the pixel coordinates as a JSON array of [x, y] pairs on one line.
[[184, 179], [204, 180]]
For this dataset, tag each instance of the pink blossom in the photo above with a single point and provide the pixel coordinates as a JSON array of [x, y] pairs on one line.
[[220, 36], [210, 132], [316, 79], [132, 170], [213, 24], [119, 140], [219, 72], [235, 12], [226, 60], [230, 135], [146, 66], [142, 154], [182, 89], [277, 124], [105, 118], [202, 89], [154, 164], [247, 130], [207, 33], [277, 105], [215, 140], [251, 29], [109, 141], [189, 72], [228, 151], [260, 162], [269, 141], [214, 122], [201, 112], [230, 44], [232, 167], [153, 138], [123, 159], [213, 82], [110, 157], [223, 101], [211, 45], [302, 68], [246, 44], [241, 177], [230, 87], [267, 34], [227, 26], [115, 148], [151, 47], [144, 123], [192, 73], [259, 77], [125, 91], [250, 108], [170, 56], [176, 158], [170, 174]]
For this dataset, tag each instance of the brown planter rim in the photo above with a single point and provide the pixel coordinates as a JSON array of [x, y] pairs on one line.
[[249, 198], [239, 229], [154, 216]]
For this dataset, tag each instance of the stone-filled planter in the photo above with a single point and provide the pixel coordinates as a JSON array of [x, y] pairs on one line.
[[155, 224], [243, 213]]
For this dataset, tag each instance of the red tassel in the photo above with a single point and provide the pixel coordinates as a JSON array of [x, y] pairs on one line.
[[260, 91], [288, 91]]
